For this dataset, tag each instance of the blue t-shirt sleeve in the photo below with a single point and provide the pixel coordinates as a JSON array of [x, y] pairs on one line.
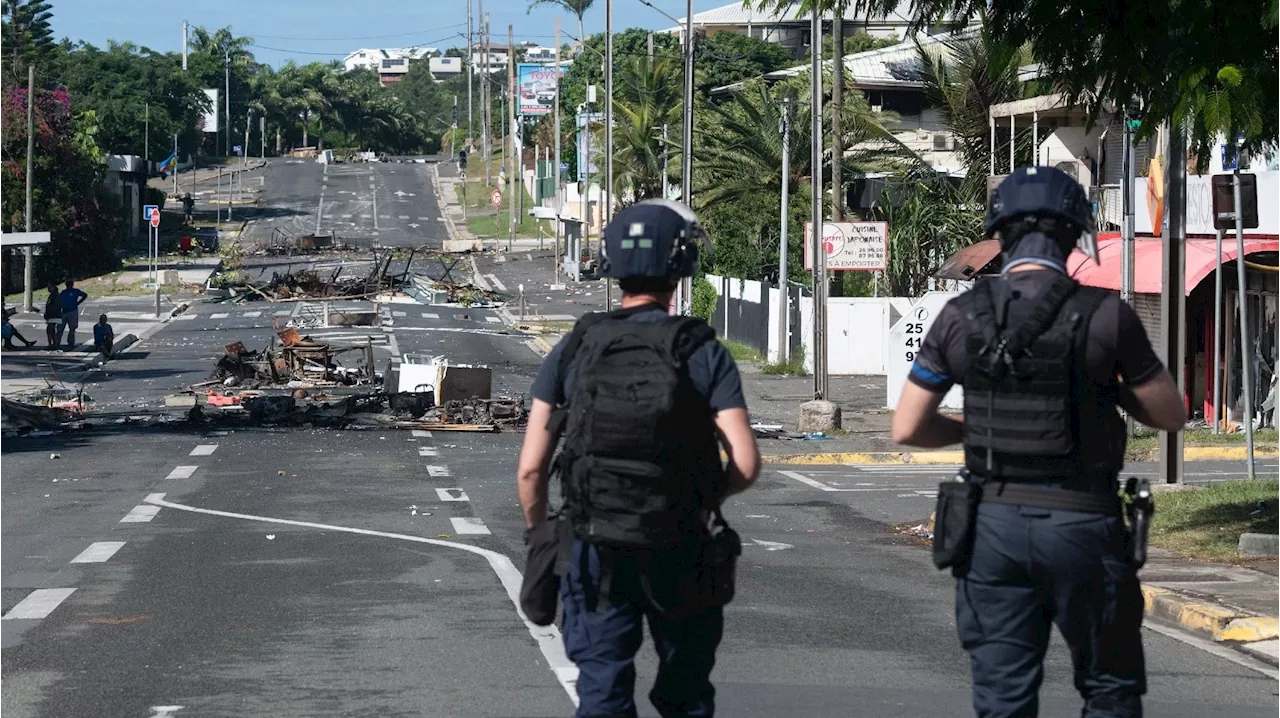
[[716, 376], [544, 382], [932, 368]]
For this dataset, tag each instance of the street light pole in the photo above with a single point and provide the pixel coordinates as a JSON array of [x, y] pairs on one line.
[[819, 252], [555, 259], [783, 241], [608, 138], [471, 75], [28, 253], [686, 155], [1246, 349], [226, 55], [513, 186]]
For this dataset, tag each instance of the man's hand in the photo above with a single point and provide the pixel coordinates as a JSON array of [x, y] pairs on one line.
[[739, 443], [916, 421]]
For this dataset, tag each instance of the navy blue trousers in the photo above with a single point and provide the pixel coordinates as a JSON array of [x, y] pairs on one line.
[[603, 642], [1031, 569]]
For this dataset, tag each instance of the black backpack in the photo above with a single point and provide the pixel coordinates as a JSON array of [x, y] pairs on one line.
[[640, 450]]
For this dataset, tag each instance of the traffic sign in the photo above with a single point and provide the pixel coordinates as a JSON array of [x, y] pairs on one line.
[[496, 198], [564, 166], [905, 338], [155, 219], [147, 209]]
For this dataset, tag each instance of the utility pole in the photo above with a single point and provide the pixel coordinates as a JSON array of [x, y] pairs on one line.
[[783, 316], [175, 164], [453, 134], [585, 163], [486, 104], [471, 75], [1173, 294], [556, 168], [262, 137], [819, 252], [666, 161], [686, 155], [28, 252], [185, 34], [1127, 234], [146, 136], [608, 138], [513, 185], [244, 150], [837, 101], [226, 55]]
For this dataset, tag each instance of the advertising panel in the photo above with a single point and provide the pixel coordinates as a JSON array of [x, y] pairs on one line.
[[537, 87], [209, 123], [596, 118], [850, 246]]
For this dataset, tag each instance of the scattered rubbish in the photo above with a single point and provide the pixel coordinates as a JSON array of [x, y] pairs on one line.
[[271, 537], [55, 456], [279, 473]]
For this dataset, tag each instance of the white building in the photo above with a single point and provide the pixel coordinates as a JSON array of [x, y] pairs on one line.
[[790, 27], [540, 54], [374, 59], [443, 68]]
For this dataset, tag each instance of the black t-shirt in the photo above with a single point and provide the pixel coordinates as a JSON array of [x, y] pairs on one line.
[[711, 368], [1117, 343]]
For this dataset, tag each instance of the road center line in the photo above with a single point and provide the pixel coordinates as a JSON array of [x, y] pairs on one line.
[[140, 514], [806, 480], [421, 434], [452, 495], [182, 472], [204, 450], [428, 451], [437, 470], [98, 552], [547, 637], [42, 601], [469, 526]]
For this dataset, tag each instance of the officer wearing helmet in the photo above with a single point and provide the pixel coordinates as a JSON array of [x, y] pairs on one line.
[[1033, 527], [641, 404]]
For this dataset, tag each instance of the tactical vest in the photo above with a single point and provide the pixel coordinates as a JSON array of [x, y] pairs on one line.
[[1031, 411]]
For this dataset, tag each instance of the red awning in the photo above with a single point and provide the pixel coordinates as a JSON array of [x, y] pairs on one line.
[[1148, 261]]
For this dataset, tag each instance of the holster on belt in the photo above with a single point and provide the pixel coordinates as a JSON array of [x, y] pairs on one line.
[[953, 523]]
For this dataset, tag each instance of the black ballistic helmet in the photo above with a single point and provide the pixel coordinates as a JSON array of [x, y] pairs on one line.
[[654, 238], [1035, 192]]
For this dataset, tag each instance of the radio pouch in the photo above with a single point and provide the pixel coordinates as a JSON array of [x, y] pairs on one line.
[[953, 524]]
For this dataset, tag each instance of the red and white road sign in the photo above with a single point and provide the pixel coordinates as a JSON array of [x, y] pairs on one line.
[[155, 218], [496, 198]]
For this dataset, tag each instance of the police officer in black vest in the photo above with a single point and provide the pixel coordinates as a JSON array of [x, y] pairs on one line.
[[1034, 526]]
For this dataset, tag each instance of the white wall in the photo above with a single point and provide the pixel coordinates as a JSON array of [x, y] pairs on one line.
[[857, 329], [1200, 204]]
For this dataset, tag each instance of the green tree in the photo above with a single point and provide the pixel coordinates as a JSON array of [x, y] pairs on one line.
[[577, 7], [727, 57], [930, 217], [27, 36], [647, 96], [214, 58]]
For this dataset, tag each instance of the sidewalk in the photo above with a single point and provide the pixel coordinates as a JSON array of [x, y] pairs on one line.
[[187, 180]]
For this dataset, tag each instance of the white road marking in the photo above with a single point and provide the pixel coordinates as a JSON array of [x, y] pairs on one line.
[[283, 313], [497, 283], [39, 603], [430, 315], [346, 216], [438, 219], [184, 317], [438, 471], [1216, 649], [421, 434], [493, 320], [428, 451], [547, 637], [469, 526], [772, 545], [182, 472], [251, 315], [806, 480], [404, 216], [140, 514], [98, 552], [452, 495], [424, 219], [204, 450], [398, 314], [219, 315], [163, 711]]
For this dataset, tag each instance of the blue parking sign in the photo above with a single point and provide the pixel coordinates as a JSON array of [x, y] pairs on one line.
[[147, 209]]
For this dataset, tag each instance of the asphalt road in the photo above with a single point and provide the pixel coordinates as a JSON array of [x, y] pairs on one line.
[[304, 572]]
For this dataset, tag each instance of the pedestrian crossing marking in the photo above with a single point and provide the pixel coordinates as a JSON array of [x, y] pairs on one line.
[[468, 525]]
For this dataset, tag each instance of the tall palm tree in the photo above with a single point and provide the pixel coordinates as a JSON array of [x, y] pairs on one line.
[[577, 7], [646, 97]]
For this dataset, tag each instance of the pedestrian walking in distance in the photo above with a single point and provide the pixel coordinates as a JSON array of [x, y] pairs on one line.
[[1033, 528], [53, 317], [71, 299], [640, 403]]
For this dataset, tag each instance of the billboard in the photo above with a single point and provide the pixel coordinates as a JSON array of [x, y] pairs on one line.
[[850, 245], [209, 123], [537, 86], [596, 118]]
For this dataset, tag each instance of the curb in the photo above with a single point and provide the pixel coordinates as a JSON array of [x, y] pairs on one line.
[[1207, 619], [1227, 453], [868, 457]]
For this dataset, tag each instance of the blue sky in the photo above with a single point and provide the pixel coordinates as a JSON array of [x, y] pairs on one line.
[[331, 28]]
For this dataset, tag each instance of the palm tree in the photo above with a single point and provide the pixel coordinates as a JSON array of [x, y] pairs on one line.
[[964, 76], [577, 7], [647, 96], [1226, 105]]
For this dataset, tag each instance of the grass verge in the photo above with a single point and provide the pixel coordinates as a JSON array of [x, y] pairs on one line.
[[1143, 446], [793, 366], [1207, 523], [740, 352]]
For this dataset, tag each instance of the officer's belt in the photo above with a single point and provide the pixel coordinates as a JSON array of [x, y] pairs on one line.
[[1044, 497]]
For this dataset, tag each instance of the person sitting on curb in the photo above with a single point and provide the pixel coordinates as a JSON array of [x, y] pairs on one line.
[[9, 332], [104, 337], [53, 317]]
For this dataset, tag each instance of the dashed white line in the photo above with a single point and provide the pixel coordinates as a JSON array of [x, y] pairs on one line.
[[283, 313], [493, 320], [404, 216], [182, 472], [140, 514], [399, 314], [98, 552], [428, 451], [219, 315], [469, 526], [430, 315], [39, 603], [204, 450], [184, 317], [806, 480], [423, 219], [497, 283], [251, 315], [452, 495], [421, 434], [438, 471]]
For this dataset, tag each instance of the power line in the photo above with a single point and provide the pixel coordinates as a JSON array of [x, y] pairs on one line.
[[365, 37], [343, 54]]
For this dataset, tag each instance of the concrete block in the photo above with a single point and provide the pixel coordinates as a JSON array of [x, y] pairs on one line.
[[462, 245], [819, 415], [180, 400], [1259, 545]]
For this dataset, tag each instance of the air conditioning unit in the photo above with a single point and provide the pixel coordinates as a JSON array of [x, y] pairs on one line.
[[877, 108], [1078, 170], [943, 143]]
